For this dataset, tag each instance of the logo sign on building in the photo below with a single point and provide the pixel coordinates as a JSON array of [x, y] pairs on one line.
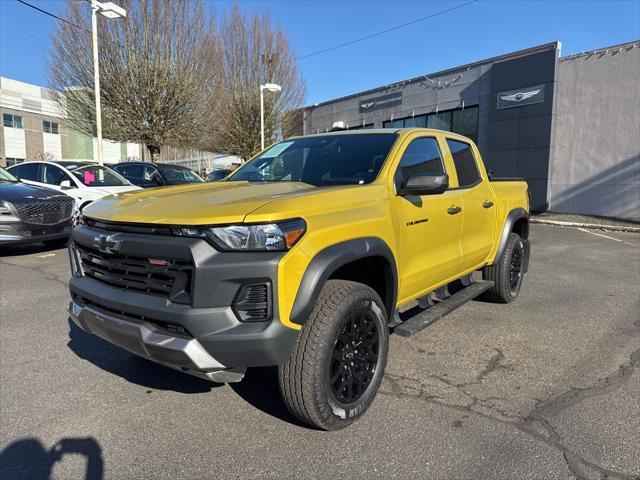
[[381, 102], [520, 97]]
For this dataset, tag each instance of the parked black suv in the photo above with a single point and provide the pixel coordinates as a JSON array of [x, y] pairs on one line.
[[145, 174], [30, 213]]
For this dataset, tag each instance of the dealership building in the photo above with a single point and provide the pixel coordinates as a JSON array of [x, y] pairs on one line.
[[569, 125]]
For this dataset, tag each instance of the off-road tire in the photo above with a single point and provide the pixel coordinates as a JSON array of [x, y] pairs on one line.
[[305, 379], [504, 290]]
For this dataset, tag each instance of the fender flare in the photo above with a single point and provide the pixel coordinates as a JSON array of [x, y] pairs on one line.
[[327, 261], [513, 216]]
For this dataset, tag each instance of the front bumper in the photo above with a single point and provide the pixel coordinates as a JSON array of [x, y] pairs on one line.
[[13, 233], [200, 319], [146, 340]]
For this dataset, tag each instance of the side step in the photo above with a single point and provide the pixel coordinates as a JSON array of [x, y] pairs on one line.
[[432, 314]]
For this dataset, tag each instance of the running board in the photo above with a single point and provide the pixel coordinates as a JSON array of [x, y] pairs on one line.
[[432, 314]]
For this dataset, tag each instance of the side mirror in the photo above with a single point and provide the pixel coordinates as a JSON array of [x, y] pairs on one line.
[[66, 184], [424, 185]]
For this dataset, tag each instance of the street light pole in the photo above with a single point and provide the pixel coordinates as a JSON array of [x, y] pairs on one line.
[[272, 87], [108, 10], [261, 118], [96, 80]]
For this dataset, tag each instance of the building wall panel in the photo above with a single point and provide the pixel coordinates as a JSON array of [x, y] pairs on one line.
[[596, 159], [52, 145], [14, 143], [133, 152]]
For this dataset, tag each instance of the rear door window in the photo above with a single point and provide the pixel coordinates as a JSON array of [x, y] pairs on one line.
[[27, 171], [465, 163], [133, 173]]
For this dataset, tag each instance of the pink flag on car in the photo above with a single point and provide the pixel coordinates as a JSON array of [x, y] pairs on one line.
[[89, 177]]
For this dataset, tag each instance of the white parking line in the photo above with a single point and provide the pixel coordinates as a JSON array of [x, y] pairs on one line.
[[606, 236], [47, 255]]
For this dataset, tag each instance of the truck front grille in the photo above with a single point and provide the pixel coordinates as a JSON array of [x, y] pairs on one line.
[[45, 212], [156, 276]]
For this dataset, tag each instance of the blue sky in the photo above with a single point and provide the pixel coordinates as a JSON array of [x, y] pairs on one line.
[[474, 32]]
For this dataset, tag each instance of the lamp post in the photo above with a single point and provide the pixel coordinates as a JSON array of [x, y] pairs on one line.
[[271, 87], [109, 10]]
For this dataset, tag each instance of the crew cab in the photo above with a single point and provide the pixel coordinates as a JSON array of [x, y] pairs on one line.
[[306, 258]]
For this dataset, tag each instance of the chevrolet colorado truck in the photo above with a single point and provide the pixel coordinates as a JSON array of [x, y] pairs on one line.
[[306, 258]]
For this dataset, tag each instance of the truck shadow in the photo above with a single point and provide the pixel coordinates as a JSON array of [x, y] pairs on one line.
[[28, 459], [134, 369], [259, 388], [28, 249]]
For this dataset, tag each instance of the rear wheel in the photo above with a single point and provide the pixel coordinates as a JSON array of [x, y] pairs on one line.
[[336, 368], [507, 273]]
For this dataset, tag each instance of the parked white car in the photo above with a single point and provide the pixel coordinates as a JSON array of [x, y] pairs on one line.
[[86, 182]]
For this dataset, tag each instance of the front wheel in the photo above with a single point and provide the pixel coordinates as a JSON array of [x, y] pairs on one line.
[[507, 273], [336, 367]]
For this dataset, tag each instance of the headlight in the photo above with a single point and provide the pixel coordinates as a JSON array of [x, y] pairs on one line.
[[278, 236], [6, 208]]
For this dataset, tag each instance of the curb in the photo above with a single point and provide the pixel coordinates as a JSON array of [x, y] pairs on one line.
[[594, 226]]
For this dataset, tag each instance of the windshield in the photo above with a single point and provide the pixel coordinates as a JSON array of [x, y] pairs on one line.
[[6, 176], [321, 161], [176, 175], [97, 176]]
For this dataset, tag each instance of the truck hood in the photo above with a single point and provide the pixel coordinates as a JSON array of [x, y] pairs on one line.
[[191, 204]]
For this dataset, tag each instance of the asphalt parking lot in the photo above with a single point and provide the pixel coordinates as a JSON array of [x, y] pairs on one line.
[[546, 387]]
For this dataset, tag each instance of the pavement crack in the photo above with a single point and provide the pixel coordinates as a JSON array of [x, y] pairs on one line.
[[494, 363], [554, 405], [574, 467], [40, 270], [406, 387]]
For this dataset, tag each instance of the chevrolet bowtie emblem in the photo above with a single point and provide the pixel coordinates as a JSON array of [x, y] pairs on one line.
[[107, 243]]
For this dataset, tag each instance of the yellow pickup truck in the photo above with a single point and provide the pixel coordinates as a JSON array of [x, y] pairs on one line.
[[306, 258]]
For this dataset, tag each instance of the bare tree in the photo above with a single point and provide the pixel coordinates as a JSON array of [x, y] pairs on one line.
[[250, 52], [154, 87], [42, 156]]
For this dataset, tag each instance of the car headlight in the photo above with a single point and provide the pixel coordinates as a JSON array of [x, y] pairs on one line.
[[280, 236], [6, 208]]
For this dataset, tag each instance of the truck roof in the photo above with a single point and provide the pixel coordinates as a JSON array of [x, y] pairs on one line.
[[383, 131]]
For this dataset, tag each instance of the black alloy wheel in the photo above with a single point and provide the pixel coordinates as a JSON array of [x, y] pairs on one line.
[[515, 268], [354, 357], [507, 273]]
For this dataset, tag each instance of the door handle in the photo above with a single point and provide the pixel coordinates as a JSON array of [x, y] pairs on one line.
[[454, 210], [487, 204]]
